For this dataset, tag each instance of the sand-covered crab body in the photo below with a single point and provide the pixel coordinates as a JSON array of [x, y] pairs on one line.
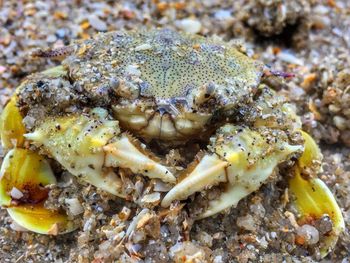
[[98, 113], [161, 84]]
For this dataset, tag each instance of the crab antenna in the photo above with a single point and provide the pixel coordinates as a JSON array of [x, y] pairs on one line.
[[57, 53], [278, 73]]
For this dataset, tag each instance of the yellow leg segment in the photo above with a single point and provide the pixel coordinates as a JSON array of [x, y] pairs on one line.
[[23, 177], [312, 197]]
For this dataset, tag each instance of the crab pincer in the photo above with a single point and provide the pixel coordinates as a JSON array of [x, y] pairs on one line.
[[90, 145], [238, 158]]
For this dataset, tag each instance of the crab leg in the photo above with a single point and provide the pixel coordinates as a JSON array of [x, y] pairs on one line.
[[312, 197], [23, 176], [239, 157], [89, 146], [11, 126]]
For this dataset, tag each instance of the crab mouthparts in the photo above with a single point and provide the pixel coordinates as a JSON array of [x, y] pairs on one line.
[[170, 105]]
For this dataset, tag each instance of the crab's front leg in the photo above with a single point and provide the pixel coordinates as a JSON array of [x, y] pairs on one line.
[[240, 158], [91, 145]]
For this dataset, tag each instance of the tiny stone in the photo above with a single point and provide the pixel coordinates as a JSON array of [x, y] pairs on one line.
[[273, 235], [51, 38], [246, 222], [61, 33], [114, 83], [340, 122], [258, 209], [189, 25], [289, 58], [125, 213], [334, 108], [15, 193], [74, 206], [133, 70], [222, 14], [143, 47], [205, 238], [17, 227], [218, 259], [2, 69], [309, 233], [151, 198], [324, 225], [97, 23], [29, 121]]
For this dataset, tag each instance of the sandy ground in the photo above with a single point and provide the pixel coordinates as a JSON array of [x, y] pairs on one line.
[[308, 38]]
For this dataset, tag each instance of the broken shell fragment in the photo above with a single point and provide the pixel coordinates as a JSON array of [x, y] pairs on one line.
[[24, 175], [11, 126], [312, 197]]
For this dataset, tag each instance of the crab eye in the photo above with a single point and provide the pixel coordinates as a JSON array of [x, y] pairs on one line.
[[24, 175], [11, 126]]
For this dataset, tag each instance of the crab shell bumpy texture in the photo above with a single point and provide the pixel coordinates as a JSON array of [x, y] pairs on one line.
[[163, 80]]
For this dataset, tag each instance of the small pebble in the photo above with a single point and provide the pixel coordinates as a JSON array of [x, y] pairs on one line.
[[289, 58], [2, 69], [17, 227], [97, 23], [51, 38], [133, 70], [16, 193], [74, 206], [246, 222], [189, 25], [324, 224], [222, 14], [205, 239], [151, 198], [340, 122], [309, 234], [61, 33]]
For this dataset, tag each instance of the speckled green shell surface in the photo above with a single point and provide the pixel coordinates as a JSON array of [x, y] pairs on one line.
[[162, 63]]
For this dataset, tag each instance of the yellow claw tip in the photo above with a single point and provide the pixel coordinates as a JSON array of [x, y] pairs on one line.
[[40, 220], [11, 125], [23, 176], [24, 173], [312, 197], [311, 154]]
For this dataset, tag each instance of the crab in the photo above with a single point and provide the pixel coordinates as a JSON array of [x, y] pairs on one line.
[[119, 103]]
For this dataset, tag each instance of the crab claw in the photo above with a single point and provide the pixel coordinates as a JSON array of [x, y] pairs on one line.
[[312, 197], [11, 121], [89, 146], [23, 177], [125, 153], [239, 157]]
